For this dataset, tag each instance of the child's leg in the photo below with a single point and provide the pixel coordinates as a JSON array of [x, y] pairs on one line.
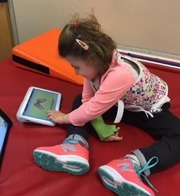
[[80, 133], [71, 156], [122, 175], [166, 128]]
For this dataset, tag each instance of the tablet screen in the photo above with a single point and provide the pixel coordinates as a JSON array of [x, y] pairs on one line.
[[39, 103], [3, 131]]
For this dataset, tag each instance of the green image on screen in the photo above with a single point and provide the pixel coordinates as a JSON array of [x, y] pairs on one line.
[[39, 103]]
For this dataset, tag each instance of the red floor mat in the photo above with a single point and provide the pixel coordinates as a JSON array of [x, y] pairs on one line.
[[20, 176]]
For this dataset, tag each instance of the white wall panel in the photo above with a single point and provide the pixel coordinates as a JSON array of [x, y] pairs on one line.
[[148, 24]]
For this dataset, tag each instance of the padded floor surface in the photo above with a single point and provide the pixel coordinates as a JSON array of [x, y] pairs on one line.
[[20, 176]]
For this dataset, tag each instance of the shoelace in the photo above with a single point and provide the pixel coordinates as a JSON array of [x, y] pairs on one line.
[[71, 141], [74, 141], [146, 167]]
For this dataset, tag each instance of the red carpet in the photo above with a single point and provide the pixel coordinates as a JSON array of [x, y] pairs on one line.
[[20, 176]]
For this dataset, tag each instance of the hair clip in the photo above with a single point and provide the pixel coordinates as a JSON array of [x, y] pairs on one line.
[[75, 24], [82, 44]]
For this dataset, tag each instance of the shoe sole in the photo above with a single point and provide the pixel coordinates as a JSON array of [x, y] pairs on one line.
[[50, 162], [123, 188]]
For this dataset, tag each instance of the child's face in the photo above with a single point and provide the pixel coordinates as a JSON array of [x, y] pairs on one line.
[[84, 68]]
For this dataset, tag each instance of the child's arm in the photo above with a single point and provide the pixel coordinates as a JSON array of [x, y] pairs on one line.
[[105, 132]]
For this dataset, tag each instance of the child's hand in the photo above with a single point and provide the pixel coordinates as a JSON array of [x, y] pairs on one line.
[[58, 117], [114, 137]]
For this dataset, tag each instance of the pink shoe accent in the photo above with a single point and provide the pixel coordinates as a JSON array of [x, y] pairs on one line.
[[120, 176], [71, 158]]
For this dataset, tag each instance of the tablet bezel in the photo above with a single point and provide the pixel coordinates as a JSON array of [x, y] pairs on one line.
[[9, 123], [23, 118]]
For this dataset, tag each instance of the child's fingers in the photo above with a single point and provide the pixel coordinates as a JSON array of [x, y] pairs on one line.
[[114, 137]]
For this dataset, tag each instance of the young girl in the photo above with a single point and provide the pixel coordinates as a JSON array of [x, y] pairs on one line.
[[115, 87]]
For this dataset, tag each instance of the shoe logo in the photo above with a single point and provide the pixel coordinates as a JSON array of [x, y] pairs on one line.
[[125, 167], [67, 147]]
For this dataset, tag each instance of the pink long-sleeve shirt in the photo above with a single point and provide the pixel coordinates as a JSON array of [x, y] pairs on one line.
[[115, 82]]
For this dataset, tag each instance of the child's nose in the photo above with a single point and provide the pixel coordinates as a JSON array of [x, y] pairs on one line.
[[76, 72]]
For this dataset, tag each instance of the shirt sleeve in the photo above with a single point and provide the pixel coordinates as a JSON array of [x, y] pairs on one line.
[[88, 91], [114, 84]]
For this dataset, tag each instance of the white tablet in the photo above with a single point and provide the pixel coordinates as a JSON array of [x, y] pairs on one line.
[[35, 105]]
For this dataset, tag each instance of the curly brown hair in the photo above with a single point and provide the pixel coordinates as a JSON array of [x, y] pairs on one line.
[[88, 30]]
